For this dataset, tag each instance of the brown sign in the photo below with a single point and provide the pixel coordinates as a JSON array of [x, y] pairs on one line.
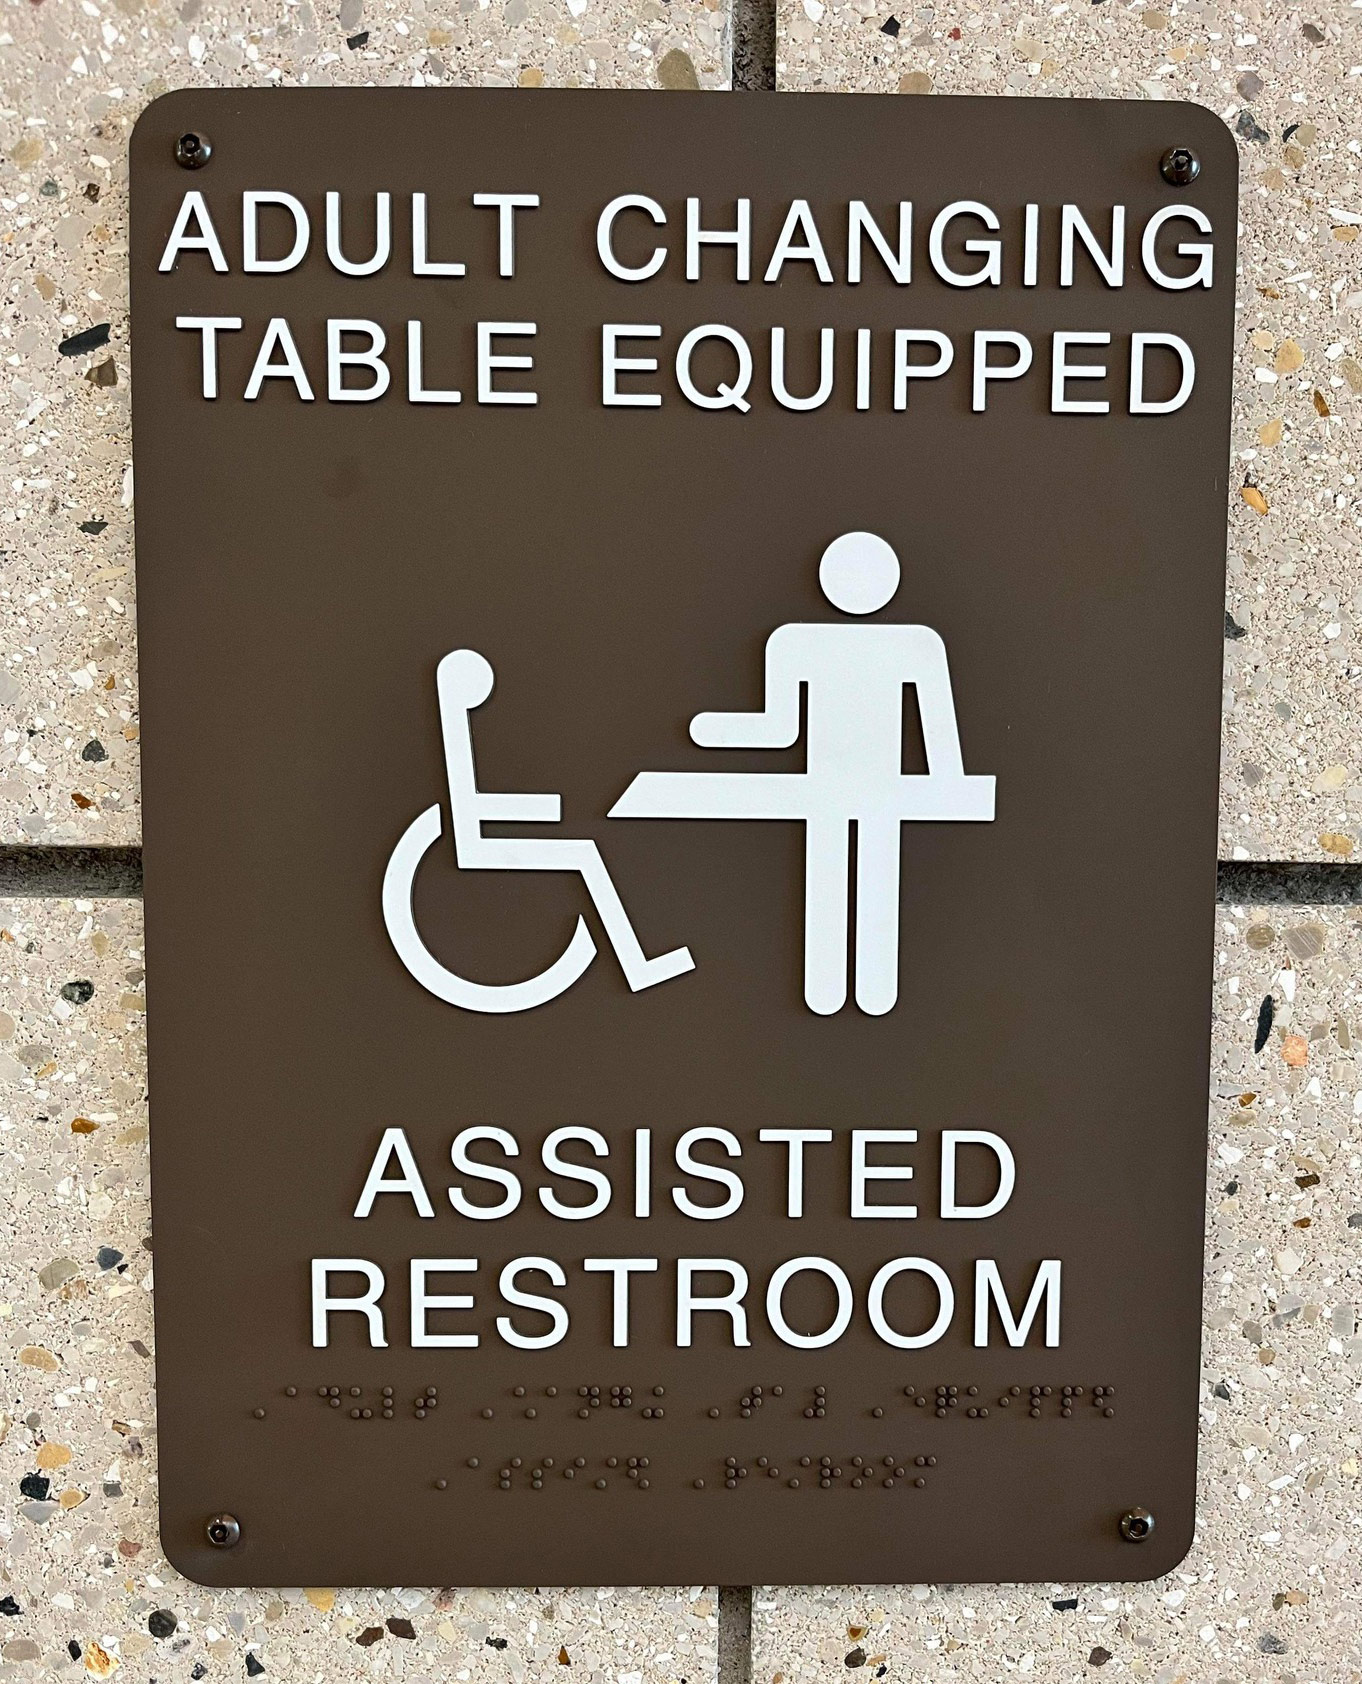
[[681, 656]]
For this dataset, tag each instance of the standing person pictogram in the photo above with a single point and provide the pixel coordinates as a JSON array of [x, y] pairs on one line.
[[854, 676]]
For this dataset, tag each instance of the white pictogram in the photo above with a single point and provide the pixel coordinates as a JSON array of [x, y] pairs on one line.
[[854, 677], [463, 681]]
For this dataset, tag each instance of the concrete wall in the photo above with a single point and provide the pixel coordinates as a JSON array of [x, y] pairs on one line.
[[1270, 1591]]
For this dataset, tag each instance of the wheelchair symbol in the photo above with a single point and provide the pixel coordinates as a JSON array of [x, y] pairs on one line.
[[463, 681]]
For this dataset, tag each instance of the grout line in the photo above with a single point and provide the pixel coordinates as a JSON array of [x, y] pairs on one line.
[[64, 873], [735, 1634], [102, 873], [754, 46]]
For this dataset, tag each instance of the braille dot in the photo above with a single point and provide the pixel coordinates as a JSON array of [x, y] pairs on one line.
[[658, 1414], [820, 1413], [1097, 1391], [487, 1414], [531, 1414], [1111, 1391], [643, 1461], [515, 1461], [583, 1392], [472, 1461], [699, 1484], [584, 1413], [742, 1473], [973, 1391], [647, 1414], [713, 1414], [777, 1391], [794, 1484], [971, 1413], [366, 1414], [919, 1482], [1046, 1390], [1015, 1391], [856, 1462], [761, 1461], [333, 1391], [612, 1461], [773, 1473], [1078, 1391], [569, 1473], [550, 1391], [908, 1391], [857, 1483], [594, 1391], [836, 1473], [818, 1391], [420, 1414], [290, 1391], [643, 1485], [898, 1473], [441, 1484], [431, 1402], [877, 1413], [505, 1484], [940, 1414], [1035, 1414], [354, 1391], [1108, 1412], [321, 1391], [746, 1403], [825, 1482], [519, 1391], [809, 1414], [888, 1483], [921, 1402], [931, 1461], [746, 1414], [731, 1484], [579, 1462], [888, 1461], [548, 1461], [983, 1414], [387, 1391], [387, 1414]]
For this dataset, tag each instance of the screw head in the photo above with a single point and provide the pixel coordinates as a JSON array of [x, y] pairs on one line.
[[1136, 1525], [1179, 166], [223, 1530], [192, 150]]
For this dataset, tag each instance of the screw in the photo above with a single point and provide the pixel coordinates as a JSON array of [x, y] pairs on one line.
[[1136, 1525], [192, 151], [223, 1531], [1179, 166]]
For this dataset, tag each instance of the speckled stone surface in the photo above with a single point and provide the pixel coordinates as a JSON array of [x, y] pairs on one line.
[[74, 77], [1288, 81], [1269, 1593], [84, 1588]]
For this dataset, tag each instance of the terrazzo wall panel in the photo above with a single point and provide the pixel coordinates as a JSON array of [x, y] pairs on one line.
[[1287, 79], [1270, 1593], [74, 77], [84, 1588]]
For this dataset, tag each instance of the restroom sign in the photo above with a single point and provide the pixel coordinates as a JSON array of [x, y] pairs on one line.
[[680, 661]]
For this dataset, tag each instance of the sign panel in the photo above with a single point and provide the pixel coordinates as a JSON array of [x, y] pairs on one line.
[[680, 652]]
